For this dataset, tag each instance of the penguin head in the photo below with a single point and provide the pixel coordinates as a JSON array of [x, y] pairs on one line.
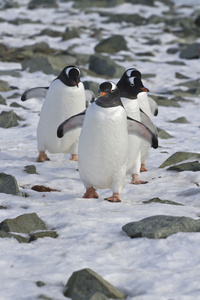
[[136, 85], [132, 72], [70, 76], [109, 95]]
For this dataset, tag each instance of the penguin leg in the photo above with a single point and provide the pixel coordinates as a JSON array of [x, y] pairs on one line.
[[42, 157], [142, 168], [136, 180], [114, 198], [74, 157], [90, 193]]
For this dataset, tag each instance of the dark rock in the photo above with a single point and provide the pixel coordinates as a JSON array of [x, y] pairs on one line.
[[36, 235], [193, 166], [8, 184], [105, 66], [164, 101], [44, 297], [2, 100], [18, 237], [85, 283], [9, 119], [40, 283], [158, 200], [15, 104], [179, 157], [113, 44], [180, 76], [188, 93], [23, 224], [30, 169], [148, 53], [33, 4], [80, 4], [197, 21], [71, 33], [50, 32], [161, 226], [181, 120], [162, 134], [4, 86], [48, 64], [191, 51], [135, 19], [3, 207], [173, 50]]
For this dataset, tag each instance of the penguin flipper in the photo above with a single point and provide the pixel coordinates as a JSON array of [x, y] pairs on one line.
[[90, 97], [140, 130], [148, 122], [73, 122], [37, 92], [153, 106]]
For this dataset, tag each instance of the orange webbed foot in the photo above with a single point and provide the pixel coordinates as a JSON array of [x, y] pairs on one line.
[[143, 169], [42, 157], [136, 180], [74, 157], [113, 198], [90, 193]]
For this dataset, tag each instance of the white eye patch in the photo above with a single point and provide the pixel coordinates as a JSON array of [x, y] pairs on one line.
[[131, 80], [113, 87]]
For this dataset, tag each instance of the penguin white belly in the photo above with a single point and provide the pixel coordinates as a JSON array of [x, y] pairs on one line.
[[103, 146], [134, 156], [145, 106], [61, 103]]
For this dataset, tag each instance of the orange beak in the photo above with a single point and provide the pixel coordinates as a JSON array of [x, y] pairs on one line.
[[75, 83], [102, 94], [144, 89]]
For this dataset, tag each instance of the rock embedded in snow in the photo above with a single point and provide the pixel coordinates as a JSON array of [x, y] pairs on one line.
[[9, 119], [179, 157], [105, 66], [162, 134], [30, 169], [158, 200], [192, 51], [181, 120], [23, 224], [85, 283], [193, 166], [8, 184], [161, 226], [112, 44]]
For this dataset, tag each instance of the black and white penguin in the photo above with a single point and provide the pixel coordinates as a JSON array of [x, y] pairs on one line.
[[130, 88], [149, 107], [64, 98], [103, 142]]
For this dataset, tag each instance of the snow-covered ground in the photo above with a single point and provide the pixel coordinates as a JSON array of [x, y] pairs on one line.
[[89, 230]]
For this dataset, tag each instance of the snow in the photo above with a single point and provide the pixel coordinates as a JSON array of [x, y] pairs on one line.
[[90, 234]]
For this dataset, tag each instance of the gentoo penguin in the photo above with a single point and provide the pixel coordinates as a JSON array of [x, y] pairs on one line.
[[148, 106], [129, 88], [64, 98], [103, 142]]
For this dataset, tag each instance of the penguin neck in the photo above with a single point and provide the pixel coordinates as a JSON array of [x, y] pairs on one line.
[[107, 102]]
